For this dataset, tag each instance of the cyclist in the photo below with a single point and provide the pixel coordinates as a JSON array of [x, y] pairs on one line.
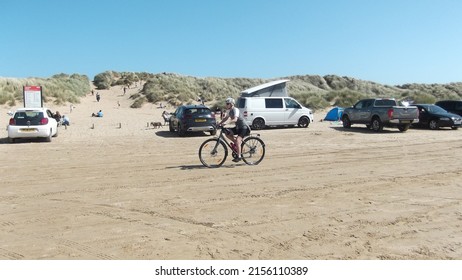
[[241, 129]]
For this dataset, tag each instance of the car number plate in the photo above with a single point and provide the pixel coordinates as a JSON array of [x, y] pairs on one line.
[[405, 121], [199, 120], [458, 122], [28, 129]]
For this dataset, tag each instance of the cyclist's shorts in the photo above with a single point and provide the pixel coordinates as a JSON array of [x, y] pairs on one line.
[[241, 131]]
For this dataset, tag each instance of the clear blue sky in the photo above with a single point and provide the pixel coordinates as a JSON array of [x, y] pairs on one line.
[[386, 41]]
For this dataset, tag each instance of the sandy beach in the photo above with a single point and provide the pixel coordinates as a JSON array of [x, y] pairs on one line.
[[114, 188]]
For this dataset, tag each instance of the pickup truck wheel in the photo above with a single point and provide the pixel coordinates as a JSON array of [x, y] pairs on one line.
[[346, 122], [377, 124], [403, 127], [433, 124]]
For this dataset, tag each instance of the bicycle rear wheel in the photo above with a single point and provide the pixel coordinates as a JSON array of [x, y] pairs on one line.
[[252, 150], [213, 154]]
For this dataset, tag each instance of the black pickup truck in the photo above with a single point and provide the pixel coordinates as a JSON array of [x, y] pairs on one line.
[[379, 113]]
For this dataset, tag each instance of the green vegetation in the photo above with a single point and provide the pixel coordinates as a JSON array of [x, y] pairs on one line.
[[58, 89], [314, 91]]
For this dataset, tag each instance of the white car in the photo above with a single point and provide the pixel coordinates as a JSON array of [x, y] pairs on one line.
[[32, 123]]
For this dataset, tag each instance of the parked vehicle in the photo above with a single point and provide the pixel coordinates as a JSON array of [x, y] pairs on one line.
[[32, 123], [379, 113], [189, 118], [259, 112], [434, 117], [452, 106]]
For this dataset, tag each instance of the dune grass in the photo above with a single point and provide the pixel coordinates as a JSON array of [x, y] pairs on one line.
[[313, 91]]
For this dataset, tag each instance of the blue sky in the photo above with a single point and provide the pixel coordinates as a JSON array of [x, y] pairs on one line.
[[386, 41]]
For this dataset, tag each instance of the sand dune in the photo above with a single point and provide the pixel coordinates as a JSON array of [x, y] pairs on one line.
[[114, 188]]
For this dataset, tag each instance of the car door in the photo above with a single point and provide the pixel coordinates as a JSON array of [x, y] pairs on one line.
[[361, 111], [274, 113], [53, 122], [293, 111], [424, 116], [176, 115]]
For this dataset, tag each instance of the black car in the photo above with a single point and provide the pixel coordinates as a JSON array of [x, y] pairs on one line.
[[434, 117], [189, 118], [452, 106]]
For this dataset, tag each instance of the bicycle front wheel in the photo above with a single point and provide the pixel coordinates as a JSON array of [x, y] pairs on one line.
[[213, 153], [252, 150]]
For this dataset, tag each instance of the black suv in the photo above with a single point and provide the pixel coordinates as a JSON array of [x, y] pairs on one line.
[[189, 118], [452, 106]]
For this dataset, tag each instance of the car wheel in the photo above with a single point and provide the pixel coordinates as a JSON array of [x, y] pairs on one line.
[[433, 124], [258, 124], [213, 132], [48, 139], [377, 124], [346, 122], [170, 127], [181, 132], [455, 127], [304, 122]]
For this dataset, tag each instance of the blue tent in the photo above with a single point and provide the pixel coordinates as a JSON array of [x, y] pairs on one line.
[[335, 114]]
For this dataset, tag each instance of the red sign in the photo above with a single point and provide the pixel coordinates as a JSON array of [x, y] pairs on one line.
[[32, 96]]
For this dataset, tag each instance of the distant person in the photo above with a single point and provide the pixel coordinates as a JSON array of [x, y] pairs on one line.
[[98, 97], [98, 115], [166, 117], [71, 107], [65, 120]]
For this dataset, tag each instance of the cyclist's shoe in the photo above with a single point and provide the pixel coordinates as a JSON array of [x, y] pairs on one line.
[[238, 159]]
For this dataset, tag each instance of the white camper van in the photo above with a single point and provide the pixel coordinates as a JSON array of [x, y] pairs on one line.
[[259, 112]]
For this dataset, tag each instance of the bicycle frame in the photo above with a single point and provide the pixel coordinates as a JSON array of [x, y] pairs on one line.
[[225, 139]]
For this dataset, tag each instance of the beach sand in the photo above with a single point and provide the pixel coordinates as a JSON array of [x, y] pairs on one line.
[[114, 188]]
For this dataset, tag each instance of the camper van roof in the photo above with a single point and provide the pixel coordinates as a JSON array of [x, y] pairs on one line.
[[262, 86]]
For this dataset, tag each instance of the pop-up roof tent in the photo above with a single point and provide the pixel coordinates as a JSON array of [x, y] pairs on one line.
[[335, 114], [273, 89]]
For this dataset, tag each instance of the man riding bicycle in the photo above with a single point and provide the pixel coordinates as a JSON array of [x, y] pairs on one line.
[[241, 129]]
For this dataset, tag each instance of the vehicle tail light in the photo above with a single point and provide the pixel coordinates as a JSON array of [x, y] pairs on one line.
[[12, 121], [44, 121], [390, 113]]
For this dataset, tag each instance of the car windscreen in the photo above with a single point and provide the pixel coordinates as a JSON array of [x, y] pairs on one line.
[[28, 118], [436, 109]]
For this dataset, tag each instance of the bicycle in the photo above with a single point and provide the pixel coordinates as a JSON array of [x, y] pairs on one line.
[[213, 152]]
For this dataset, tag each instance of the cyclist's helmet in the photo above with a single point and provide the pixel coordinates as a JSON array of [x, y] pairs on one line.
[[230, 100]]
